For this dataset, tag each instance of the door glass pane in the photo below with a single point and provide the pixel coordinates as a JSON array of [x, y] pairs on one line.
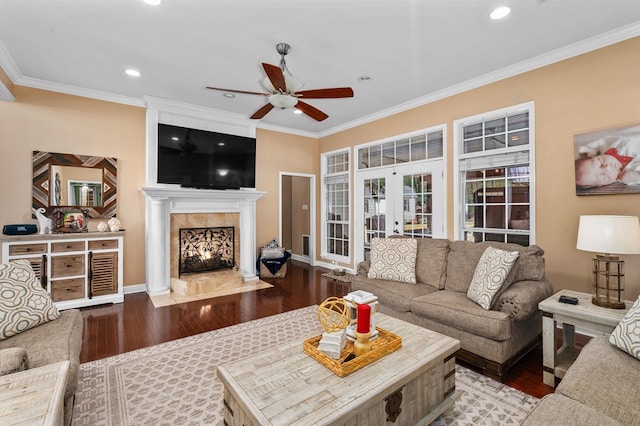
[[417, 205], [374, 210]]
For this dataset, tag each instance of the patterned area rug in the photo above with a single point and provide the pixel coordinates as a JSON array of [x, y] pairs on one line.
[[345, 278], [175, 383]]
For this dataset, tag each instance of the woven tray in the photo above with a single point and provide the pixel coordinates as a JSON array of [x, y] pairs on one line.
[[386, 343]]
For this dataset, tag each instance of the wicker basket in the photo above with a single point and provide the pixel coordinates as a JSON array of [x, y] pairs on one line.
[[386, 343]]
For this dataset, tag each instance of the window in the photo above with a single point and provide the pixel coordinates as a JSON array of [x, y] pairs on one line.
[[421, 146], [335, 205], [495, 176]]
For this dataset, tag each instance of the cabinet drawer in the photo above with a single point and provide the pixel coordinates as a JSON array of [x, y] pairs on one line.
[[67, 289], [67, 246], [66, 266], [27, 249], [103, 244]]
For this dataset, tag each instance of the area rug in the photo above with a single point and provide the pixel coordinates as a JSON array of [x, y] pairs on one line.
[[345, 278], [175, 383]]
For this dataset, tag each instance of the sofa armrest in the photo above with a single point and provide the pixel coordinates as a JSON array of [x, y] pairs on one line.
[[521, 299], [13, 360], [363, 267]]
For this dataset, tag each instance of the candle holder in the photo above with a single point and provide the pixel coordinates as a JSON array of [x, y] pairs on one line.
[[362, 344]]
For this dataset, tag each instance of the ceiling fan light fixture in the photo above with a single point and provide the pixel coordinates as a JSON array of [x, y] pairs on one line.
[[283, 101], [292, 83]]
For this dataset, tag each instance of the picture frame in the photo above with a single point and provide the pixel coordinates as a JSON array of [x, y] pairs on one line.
[[607, 161], [69, 220]]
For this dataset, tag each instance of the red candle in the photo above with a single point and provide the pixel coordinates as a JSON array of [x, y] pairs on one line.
[[364, 319]]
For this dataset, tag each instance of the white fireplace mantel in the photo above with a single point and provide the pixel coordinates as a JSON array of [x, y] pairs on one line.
[[163, 201]]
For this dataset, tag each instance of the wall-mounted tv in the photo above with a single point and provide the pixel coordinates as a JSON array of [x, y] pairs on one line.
[[202, 159]]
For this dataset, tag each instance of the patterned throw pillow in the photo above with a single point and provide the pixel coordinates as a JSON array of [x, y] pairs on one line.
[[393, 259], [490, 274], [24, 304], [626, 335]]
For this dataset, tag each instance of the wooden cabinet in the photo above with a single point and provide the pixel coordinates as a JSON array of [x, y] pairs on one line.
[[77, 269]]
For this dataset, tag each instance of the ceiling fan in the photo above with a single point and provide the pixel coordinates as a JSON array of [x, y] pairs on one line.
[[284, 90]]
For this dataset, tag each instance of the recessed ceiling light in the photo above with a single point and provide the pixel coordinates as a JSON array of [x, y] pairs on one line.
[[364, 79], [131, 72], [153, 2], [500, 12], [220, 143], [297, 111], [229, 95], [175, 138]]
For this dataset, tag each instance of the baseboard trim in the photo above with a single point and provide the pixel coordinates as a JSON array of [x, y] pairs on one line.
[[136, 288]]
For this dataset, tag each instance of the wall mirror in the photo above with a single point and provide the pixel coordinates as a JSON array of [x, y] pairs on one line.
[[80, 181]]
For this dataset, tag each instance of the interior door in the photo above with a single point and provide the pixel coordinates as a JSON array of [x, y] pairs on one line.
[[399, 200]]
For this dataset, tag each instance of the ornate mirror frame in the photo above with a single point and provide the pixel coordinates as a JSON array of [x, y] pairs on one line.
[[42, 181]]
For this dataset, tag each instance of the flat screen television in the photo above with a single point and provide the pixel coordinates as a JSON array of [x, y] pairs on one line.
[[202, 159]]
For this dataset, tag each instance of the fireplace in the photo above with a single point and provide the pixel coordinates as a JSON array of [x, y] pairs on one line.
[[163, 203], [206, 249]]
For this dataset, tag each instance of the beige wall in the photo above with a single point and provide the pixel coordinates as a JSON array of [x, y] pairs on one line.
[[279, 152], [48, 121], [591, 92]]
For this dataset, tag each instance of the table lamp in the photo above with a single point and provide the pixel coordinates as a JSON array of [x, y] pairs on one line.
[[609, 235]]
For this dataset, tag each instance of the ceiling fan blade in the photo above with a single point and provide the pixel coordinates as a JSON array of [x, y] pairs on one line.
[[336, 92], [238, 91], [275, 76], [312, 112], [262, 112]]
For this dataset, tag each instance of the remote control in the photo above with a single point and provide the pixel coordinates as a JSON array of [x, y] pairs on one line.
[[568, 299]]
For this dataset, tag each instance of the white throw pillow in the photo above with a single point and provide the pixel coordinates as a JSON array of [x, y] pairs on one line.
[[490, 274], [24, 304], [393, 259], [626, 335]]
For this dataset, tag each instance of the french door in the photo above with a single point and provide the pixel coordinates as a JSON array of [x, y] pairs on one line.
[[399, 200]]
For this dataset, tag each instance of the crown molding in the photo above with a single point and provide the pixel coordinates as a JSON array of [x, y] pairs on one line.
[[558, 55], [288, 130]]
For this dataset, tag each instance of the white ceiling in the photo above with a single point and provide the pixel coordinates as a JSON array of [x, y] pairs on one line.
[[414, 51]]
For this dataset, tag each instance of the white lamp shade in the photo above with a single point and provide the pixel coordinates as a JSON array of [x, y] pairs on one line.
[[283, 101], [609, 234]]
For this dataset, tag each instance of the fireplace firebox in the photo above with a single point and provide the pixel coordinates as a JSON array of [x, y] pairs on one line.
[[206, 249]]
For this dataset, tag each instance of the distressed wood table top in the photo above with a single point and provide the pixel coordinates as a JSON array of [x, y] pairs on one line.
[[286, 386]]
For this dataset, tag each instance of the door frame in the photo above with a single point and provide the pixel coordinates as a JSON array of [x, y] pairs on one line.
[[395, 198], [312, 215]]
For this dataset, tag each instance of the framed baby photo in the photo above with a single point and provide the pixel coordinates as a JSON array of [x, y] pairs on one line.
[[67, 220], [608, 161]]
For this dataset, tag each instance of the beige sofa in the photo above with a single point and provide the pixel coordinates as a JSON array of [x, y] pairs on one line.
[[599, 389], [54, 341], [492, 340]]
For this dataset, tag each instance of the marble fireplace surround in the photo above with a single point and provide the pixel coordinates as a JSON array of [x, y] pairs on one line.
[[162, 202]]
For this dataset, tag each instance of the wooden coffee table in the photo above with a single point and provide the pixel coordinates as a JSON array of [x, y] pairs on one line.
[[285, 386]]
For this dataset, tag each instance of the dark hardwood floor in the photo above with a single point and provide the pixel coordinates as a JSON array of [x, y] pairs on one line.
[[136, 323]]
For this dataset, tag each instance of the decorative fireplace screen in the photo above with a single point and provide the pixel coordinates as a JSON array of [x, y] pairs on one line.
[[206, 249]]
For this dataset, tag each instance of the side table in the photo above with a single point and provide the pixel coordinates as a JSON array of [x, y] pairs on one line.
[[34, 396], [585, 315]]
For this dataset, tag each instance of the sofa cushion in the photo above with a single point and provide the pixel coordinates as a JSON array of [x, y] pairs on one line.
[[490, 275], [392, 294], [431, 261], [13, 360], [24, 304], [393, 259], [600, 371], [626, 335], [457, 310], [555, 409], [55, 341], [464, 256]]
